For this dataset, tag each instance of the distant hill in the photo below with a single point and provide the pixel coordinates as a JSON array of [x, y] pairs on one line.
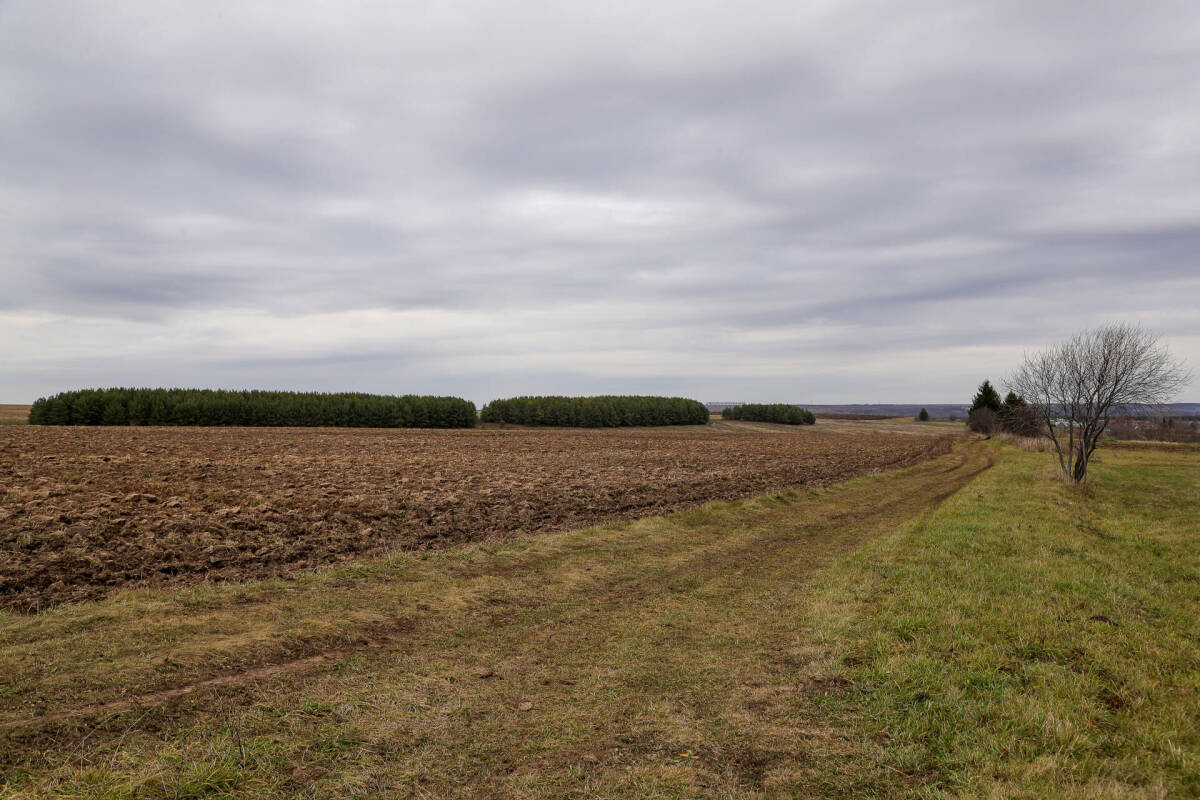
[[1183, 410], [936, 410]]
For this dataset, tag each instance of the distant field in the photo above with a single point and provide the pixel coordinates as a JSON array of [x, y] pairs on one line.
[[901, 425], [85, 511], [831, 415], [888, 425], [14, 414]]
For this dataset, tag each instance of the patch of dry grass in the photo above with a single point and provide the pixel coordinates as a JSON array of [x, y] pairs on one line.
[[14, 414], [1030, 444], [903, 425]]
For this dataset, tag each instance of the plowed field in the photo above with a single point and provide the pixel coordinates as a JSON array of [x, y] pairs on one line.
[[84, 511]]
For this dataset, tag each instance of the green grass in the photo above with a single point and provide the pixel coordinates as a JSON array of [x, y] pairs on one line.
[[1032, 640], [923, 633]]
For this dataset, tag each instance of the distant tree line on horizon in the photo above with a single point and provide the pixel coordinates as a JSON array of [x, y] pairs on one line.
[[782, 413], [212, 407], [604, 411]]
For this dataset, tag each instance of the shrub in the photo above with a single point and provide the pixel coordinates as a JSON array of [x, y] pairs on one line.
[[606, 411], [783, 413], [210, 407], [983, 420], [923, 416]]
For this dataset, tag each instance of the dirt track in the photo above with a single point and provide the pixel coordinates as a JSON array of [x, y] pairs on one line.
[[84, 511]]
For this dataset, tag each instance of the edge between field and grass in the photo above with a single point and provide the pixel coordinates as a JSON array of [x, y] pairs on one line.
[[935, 631]]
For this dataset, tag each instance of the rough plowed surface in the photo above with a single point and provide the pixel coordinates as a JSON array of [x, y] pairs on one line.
[[84, 511]]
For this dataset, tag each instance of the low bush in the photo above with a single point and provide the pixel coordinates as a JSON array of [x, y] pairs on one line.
[[606, 411], [207, 407], [983, 420], [783, 413]]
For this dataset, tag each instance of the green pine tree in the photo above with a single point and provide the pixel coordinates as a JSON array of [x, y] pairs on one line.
[[986, 397]]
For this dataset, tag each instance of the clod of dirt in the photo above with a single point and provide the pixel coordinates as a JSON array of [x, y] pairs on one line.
[[308, 774], [526, 706]]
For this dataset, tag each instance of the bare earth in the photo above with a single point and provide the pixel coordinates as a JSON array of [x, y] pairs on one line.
[[85, 511]]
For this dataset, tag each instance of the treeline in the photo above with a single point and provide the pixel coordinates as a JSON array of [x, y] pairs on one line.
[[235, 408], [609, 411], [770, 412]]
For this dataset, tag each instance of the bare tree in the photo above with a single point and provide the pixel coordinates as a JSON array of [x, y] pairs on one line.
[[1075, 387]]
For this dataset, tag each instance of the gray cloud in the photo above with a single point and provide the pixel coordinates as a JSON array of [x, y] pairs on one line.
[[868, 201]]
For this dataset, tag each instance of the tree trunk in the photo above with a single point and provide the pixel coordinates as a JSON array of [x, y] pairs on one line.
[[1079, 470]]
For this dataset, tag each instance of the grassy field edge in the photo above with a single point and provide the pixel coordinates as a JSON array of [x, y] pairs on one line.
[[1029, 639]]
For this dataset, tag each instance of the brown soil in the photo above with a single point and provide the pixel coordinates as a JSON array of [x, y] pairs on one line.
[[85, 511]]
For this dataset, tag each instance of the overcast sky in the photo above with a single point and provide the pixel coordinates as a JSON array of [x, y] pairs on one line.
[[806, 202]]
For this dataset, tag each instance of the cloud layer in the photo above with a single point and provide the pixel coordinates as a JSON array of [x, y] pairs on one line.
[[843, 202]]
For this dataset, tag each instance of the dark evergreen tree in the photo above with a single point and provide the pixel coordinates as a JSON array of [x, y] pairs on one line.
[[923, 416], [1017, 417], [1011, 403], [114, 413], [987, 397]]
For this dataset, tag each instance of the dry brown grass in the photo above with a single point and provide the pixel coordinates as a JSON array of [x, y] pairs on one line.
[[1030, 444], [14, 414], [885, 425]]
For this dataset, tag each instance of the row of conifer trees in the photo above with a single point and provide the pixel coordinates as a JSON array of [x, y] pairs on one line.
[[990, 414], [235, 408], [770, 412], [606, 411]]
